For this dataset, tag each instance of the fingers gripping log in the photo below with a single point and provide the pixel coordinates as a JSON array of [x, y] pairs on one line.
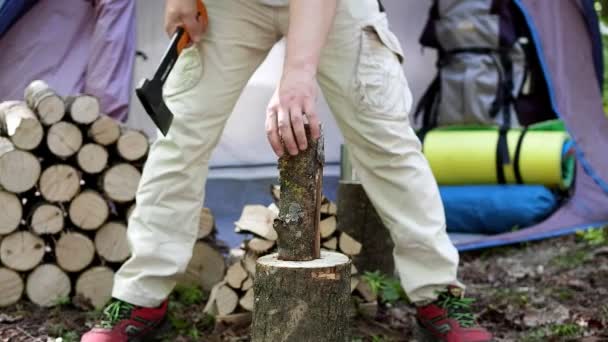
[[300, 293]]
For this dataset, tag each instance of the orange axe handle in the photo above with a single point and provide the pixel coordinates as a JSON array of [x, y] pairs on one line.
[[202, 17]]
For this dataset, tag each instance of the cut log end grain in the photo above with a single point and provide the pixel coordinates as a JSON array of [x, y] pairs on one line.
[[20, 124], [11, 287], [111, 242], [44, 101], [47, 219], [64, 139], [247, 284], [83, 109], [59, 183], [206, 223], [92, 158], [89, 210], [236, 275], [348, 245], [104, 131], [120, 182], [74, 252], [11, 212], [95, 286], [246, 302], [222, 300], [19, 171], [132, 145], [21, 251], [260, 246], [331, 244], [47, 285], [327, 227], [205, 269]]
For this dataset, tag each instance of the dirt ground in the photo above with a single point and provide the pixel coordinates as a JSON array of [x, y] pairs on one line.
[[555, 290]]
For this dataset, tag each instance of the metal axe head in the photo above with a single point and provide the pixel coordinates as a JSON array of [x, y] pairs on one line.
[[150, 93]]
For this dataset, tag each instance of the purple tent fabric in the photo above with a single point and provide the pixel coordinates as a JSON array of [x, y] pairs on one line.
[[76, 46], [567, 52]]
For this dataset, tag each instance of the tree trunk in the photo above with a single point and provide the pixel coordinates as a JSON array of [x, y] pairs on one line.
[[83, 109], [11, 212], [21, 251], [89, 210], [298, 223], [111, 242], [64, 139], [92, 158], [104, 131], [47, 285], [120, 182], [132, 145], [59, 183], [19, 170], [20, 124], [74, 252], [11, 287], [46, 219], [94, 286], [44, 101], [302, 301]]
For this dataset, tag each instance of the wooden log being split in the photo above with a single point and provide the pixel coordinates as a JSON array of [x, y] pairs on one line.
[[104, 131], [298, 223], [95, 286], [20, 124], [11, 212], [92, 158], [74, 252], [132, 145], [21, 251], [11, 287], [120, 182], [47, 285], [83, 109], [44, 101], [206, 268], [111, 242], [19, 170], [89, 210], [59, 183], [222, 300], [206, 223], [46, 219], [236, 275], [312, 307], [64, 139]]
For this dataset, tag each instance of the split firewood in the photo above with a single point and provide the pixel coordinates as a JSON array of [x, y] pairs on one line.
[[246, 302], [104, 131], [235, 275], [331, 244], [222, 300], [257, 219], [95, 286], [46, 219], [354, 281], [64, 139], [327, 227], [249, 262], [260, 246], [92, 158], [206, 267], [369, 310], [235, 320], [11, 212], [20, 124], [120, 182], [206, 223], [21, 251], [74, 252], [11, 287], [44, 101], [365, 291], [353, 270], [348, 245], [83, 109], [47, 285], [132, 145], [328, 208], [275, 192], [247, 284], [235, 255], [89, 210], [59, 183], [19, 170], [111, 242]]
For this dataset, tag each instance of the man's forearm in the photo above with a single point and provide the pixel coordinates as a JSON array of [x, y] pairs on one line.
[[310, 22]]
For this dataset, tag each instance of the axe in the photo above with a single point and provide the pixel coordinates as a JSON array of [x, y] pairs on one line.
[[150, 92]]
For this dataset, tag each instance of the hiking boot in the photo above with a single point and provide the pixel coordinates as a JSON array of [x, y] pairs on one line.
[[123, 322], [449, 319]]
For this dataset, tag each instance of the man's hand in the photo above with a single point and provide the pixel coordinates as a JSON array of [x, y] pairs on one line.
[[184, 13], [291, 106]]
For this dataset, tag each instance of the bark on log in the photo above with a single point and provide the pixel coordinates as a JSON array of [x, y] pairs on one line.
[[21, 251], [47, 285], [11, 212], [46, 219], [19, 170], [92, 158], [311, 308], [83, 109], [236, 275], [206, 268], [206, 223], [44, 101], [297, 226], [104, 131], [358, 218], [236, 320], [120, 182], [95, 286], [59, 183], [132, 145], [11, 287], [111, 242], [64, 139], [20, 124], [89, 210], [74, 252]]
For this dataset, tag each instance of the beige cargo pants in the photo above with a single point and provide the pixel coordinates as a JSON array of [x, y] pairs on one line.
[[361, 77]]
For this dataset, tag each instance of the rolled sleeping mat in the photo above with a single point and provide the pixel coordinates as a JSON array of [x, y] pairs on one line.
[[495, 209], [469, 157]]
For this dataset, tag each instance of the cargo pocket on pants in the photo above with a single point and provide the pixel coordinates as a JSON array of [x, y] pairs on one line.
[[186, 73]]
